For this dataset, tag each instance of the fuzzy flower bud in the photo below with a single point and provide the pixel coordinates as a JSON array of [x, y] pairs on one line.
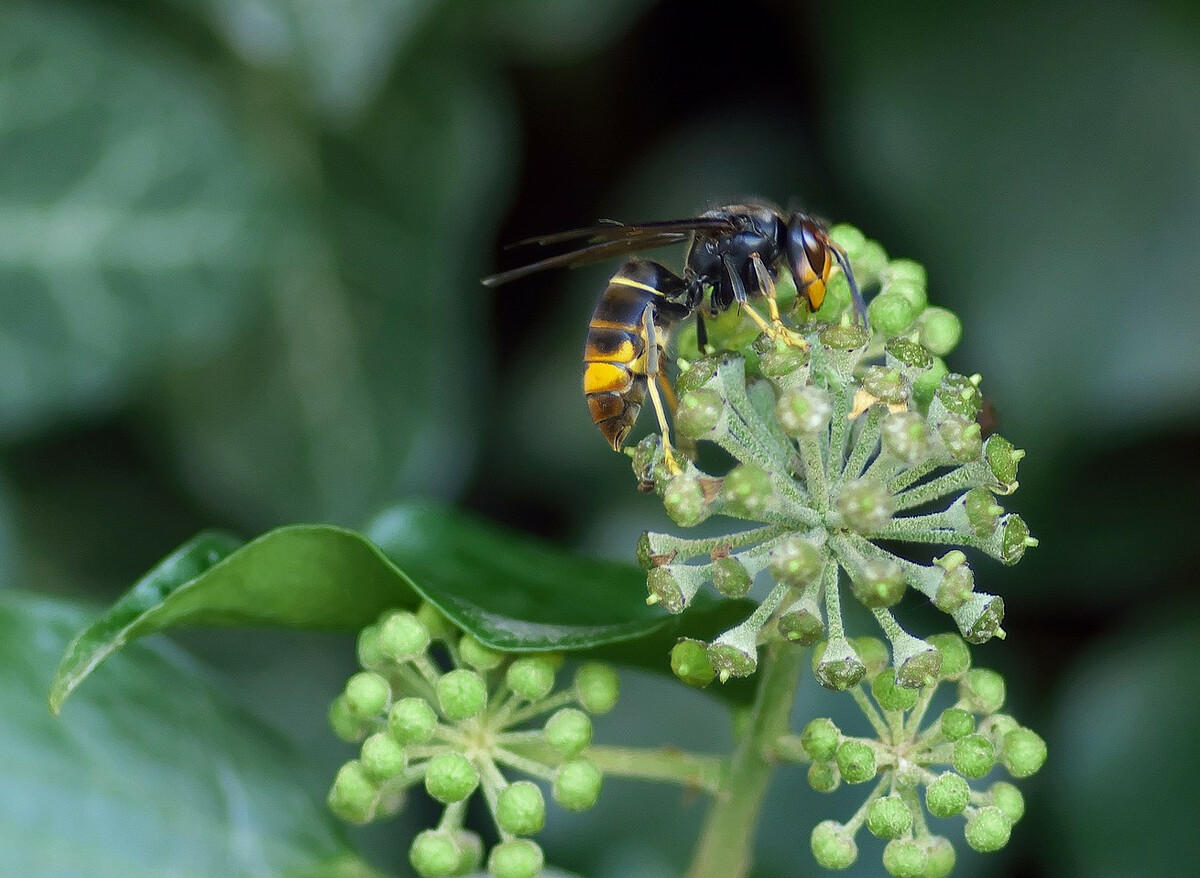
[[836, 665], [690, 663], [577, 784], [461, 694], [596, 687], [889, 817], [700, 412], [518, 858], [905, 859], [402, 636], [804, 411], [833, 846], [865, 505]]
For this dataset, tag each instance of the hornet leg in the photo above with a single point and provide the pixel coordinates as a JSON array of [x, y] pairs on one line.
[[654, 374]]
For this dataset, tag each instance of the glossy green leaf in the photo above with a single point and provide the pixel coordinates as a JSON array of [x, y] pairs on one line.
[[150, 772], [509, 591], [128, 213]]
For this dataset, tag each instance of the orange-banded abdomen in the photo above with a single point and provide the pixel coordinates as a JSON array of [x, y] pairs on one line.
[[615, 371]]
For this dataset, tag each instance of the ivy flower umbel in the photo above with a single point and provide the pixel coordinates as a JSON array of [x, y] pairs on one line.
[[457, 731], [851, 440]]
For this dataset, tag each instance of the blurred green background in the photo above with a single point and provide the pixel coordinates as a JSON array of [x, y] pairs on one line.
[[240, 243]]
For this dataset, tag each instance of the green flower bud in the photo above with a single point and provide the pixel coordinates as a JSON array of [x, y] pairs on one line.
[[833, 846], [1003, 458], [474, 654], [402, 636], [382, 757], [646, 455], [956, 723], [956, 655], [906, 437], [836, 665], [730, 577], [450, 777], [411, 721], [889, 695], [988, 830], [597, 687], [520, 809], [982, 691], [1008, 799], [461, 694], [865, 505], [697, 374], [905, 859], [802, 623], [889, 817], [1014, 539], [979, 617], [960, 395], [869, 263], [926, 384], [747, 491], [905, 270], [685, 499], [531, 677], [367, 694], [672, 586], [438, 626], [796, 562], [962, 438], [699, 413], [344, 723], [983, 512], [850, 239], [353, 795], [998, 725], [820, 739], [856, 761], [909, 356], [1023, 752], [435, 853], [878, 583], [804, 411], [470, 847], [518, 858], [782, 363], [873, 653], [891, 313], [823, 777], [947, 795], [367, 647], [941, 330], [689, 662], [911, 289], [940, 855], [730, 658], [974, 756], [958, 582], [568, 731], [917, 663], [886, 385], [577, 784]]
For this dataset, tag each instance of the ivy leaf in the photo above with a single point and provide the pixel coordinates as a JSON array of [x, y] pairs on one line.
[[128, 214], [510, 592], [151, 772]]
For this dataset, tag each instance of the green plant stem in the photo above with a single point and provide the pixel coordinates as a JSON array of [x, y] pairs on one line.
[[693, 770], [726, 842]]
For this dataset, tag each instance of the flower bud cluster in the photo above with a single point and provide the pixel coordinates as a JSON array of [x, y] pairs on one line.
[[920, 767], [844, 442], [456, 727]]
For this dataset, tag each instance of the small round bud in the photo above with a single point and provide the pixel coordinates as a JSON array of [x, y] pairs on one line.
[[382, 758], [438, 626], [518, 858], [783, 362], [367, 647], [520, 809], [956, 655], [796, 562], [685, 501], [958, 582], [918, 664], [889, 817], [731, 659], [1015, 539], [878, 583], [470, 847], [974, 756], [891, 313], [963, 438], [577, 784], [983, 512], [672, 586], [461, 694], [1008, 799], [865, 505], [849, 238], [856, 761], [899, 270], [699, 412], [906, 437], [823, 777], [747, 490], [402, 636], [833, 846], [913, 290], [941, 330], [367, 694], [980, 617], [960, 395], [450, 777], [344, 723], [730, 577], [531, 677], [435, 853], [909, 356], [820, 739], [886, 385], [353, 795], [905, 859], [982, 690], [873, 653], [474, 654], [801, 623], [869, 263], [1023, 752], [941, 857], [412, 721], [689, 662], [947, 795], [956, 723], [804, 411], [597, 687], [988, 830], [889, 695], [1003, 458], [836, 665], [568, 731], [998, 725], [696, 375]]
